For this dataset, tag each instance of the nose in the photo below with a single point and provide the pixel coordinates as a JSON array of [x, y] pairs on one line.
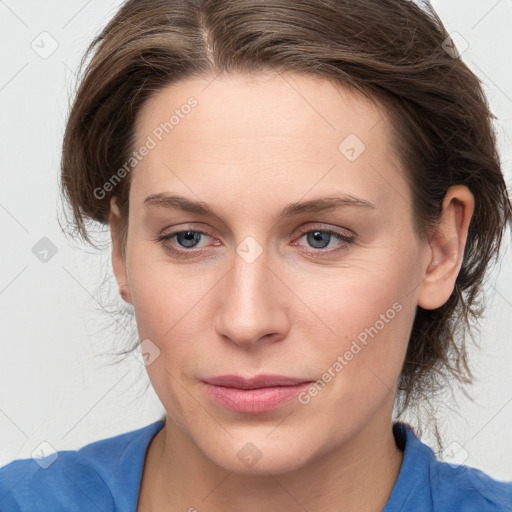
[[252, 304]]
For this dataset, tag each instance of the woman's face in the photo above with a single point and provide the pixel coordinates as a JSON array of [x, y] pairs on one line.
[[296, 257]]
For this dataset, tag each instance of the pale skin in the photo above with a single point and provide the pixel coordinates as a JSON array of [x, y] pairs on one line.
[[252, 146]]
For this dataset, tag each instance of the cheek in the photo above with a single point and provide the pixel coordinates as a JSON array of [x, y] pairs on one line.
[[367, 313], [166, 297], [367, 293], [168, 307], [171, 309]]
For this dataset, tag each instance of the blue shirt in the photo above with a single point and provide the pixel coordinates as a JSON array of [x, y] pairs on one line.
[[105, 476]]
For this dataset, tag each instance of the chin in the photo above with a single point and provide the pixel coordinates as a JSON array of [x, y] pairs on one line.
[[257, 455]]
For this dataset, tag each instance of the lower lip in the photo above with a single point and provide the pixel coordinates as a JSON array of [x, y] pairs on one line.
[[254, 400]]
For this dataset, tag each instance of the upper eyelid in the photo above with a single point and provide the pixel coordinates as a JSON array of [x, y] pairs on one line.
[[326, 229]]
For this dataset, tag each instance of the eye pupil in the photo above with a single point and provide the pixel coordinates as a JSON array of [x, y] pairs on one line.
[[319, 239]]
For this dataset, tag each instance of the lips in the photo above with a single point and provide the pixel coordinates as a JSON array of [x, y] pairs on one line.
[[256, 394]]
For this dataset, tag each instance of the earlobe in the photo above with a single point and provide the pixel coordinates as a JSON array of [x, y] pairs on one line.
[[118, 259], [124, 291], [447, 248]]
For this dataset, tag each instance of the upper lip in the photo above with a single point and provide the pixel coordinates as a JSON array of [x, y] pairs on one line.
[[256, 382]]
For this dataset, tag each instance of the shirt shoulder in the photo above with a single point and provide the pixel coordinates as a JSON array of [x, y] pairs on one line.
[[98, 476], [426, 484], [460, 487]]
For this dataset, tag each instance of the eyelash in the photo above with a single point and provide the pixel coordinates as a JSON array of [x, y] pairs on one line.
[[347, 240]]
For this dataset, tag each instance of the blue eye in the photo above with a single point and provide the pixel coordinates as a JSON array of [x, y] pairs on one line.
[[185, 239], [188, 238], [321, 238], [318, 239]]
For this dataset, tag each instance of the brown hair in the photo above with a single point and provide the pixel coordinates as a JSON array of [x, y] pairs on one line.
[[394, 51]]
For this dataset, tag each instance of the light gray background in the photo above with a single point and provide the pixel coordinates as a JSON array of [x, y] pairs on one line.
[[56, 382]]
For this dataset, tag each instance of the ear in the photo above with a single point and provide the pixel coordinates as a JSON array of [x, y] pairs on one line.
[[447, 248], [118, 259]]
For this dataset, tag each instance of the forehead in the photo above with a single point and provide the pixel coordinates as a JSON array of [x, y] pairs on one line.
[[274, 105], [284, 131]]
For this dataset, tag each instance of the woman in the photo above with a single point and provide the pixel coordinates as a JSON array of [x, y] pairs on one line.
[[303, 204]]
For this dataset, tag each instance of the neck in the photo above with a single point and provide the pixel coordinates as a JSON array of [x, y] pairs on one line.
[[359, 475]]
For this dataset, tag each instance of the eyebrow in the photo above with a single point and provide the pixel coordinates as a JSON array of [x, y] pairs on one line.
[[322, 204]]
